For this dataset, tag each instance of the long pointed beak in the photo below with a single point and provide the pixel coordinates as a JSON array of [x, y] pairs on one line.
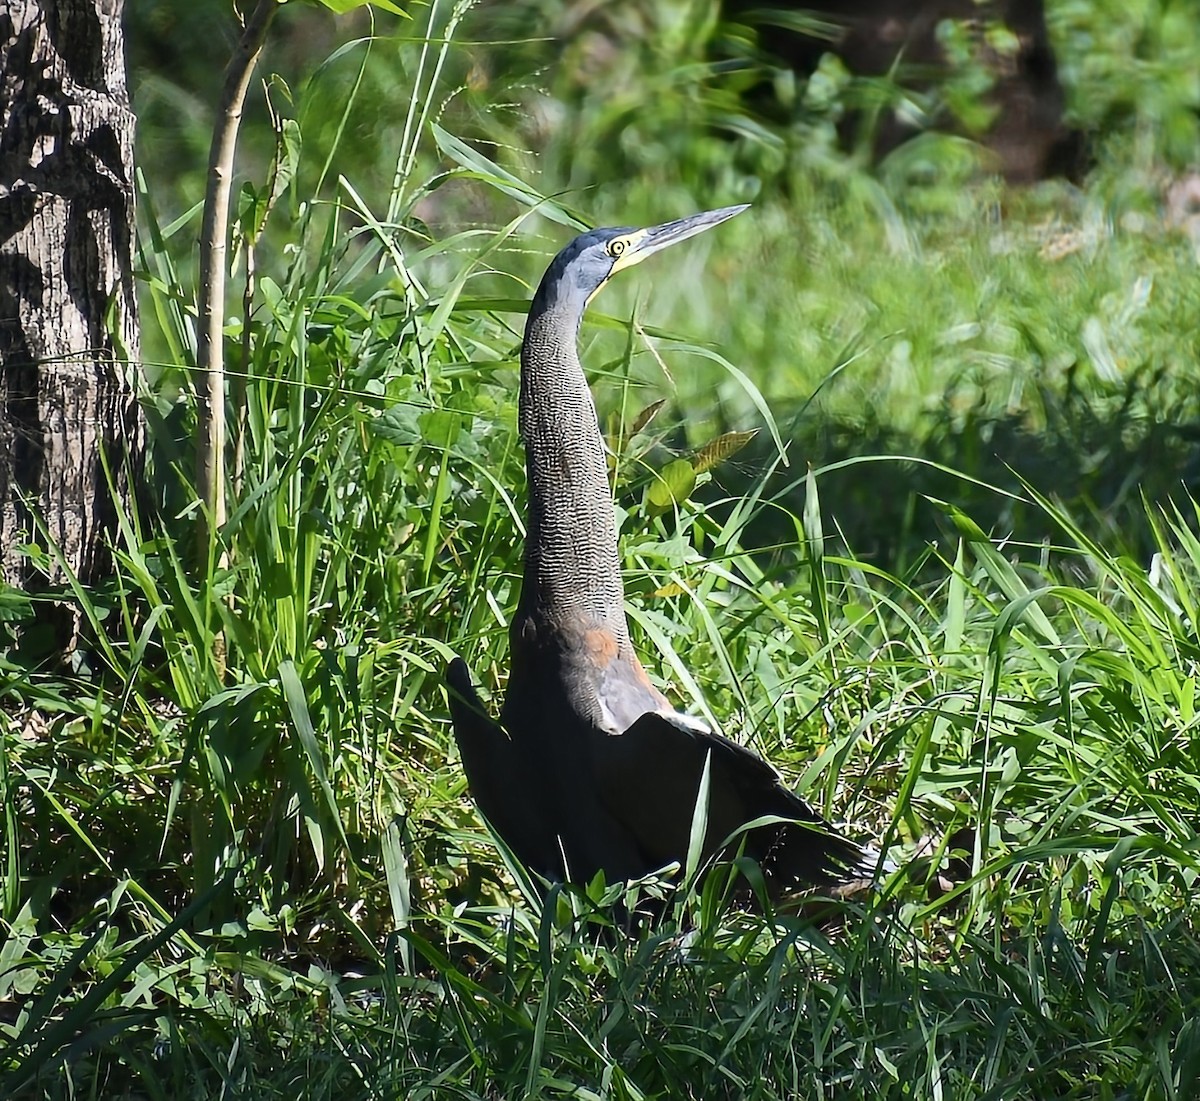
[[649, 241]]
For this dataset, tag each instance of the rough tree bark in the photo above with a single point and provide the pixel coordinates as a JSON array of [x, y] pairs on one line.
[[67, 394]]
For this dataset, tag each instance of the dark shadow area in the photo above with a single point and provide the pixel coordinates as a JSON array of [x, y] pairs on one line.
[[921, 45], [1103, 461]]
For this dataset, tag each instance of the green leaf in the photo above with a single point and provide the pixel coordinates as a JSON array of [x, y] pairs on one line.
[[287, 156], [672, 487], [395, 867], [440, 427], [699, 827], [814, 546], [748, 387], [400, 425], [14, 605], [297, 705], [502, 180], [1002, 572], [251, 209], [340, 7]]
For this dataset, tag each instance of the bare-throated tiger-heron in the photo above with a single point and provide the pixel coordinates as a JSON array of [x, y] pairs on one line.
[[590, 767]]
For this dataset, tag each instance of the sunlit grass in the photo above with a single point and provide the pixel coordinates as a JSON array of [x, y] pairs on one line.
[[272, 882]]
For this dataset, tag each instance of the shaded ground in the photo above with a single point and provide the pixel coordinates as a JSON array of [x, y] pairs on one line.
[[1100, 464]]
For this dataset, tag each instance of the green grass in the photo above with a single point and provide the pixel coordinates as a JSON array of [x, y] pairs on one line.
[[273, 883]]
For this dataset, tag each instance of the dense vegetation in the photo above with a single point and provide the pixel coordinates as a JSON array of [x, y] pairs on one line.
[[950, 588]]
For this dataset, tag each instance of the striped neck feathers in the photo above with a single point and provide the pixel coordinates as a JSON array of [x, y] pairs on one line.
[[572, 569]]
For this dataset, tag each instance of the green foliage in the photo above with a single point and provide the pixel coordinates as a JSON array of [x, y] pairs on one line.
[[273, 883], [1130, 69]]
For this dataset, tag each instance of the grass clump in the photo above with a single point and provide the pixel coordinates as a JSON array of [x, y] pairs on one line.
[[268, 879]]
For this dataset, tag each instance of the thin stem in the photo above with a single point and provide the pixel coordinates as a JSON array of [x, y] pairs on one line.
[[214, 234], [210, 297]]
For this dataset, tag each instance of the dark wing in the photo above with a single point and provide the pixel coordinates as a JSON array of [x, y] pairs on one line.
[[498, 776], [649, 779]]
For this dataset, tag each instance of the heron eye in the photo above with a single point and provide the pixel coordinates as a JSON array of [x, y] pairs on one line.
[[615, 248]]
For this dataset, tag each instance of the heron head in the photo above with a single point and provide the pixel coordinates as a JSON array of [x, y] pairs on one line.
[[577, 273]]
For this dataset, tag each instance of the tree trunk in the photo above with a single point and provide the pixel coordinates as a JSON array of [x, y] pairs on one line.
[[68, 315]]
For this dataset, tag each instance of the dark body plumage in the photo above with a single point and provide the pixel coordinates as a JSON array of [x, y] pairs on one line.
[[590, 768]]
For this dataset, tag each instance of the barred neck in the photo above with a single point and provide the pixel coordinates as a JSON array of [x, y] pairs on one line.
[[572, 570]]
